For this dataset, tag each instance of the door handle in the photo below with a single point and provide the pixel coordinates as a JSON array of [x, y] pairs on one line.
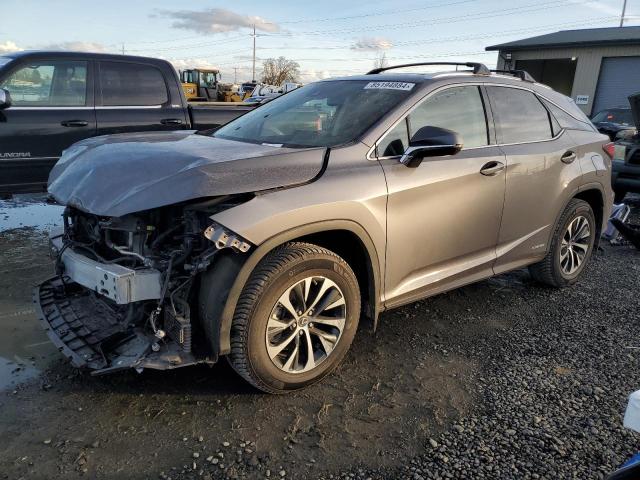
[[568, 157], [74, 123], [492, 168], [171, 121]]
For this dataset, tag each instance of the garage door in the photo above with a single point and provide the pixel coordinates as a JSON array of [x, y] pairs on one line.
[[619, 78]]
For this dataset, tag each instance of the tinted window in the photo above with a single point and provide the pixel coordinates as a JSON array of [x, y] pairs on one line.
[[459, 109], [54, 84], [395, 142], [319, 114], [565, 120], [615, 115], [520, 116], [131, 84]]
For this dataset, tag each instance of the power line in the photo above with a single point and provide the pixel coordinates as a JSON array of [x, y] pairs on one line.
[[440, 21], [317, 20], [373, 14], [592, 21]]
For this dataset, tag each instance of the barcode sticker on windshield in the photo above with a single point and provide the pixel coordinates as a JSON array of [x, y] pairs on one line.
[[389, 86]]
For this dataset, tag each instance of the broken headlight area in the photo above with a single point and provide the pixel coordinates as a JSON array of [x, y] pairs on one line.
[[125, 288]]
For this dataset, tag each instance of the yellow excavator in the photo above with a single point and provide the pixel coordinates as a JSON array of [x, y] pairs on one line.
[[203, 85]]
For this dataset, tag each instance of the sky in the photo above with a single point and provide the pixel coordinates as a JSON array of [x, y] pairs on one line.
[[327, 38]]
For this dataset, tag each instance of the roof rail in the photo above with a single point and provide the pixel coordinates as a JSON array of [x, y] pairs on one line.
[[521, 74], [478, 68]]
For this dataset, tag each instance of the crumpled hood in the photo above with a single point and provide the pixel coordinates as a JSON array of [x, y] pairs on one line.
[[119, 174]]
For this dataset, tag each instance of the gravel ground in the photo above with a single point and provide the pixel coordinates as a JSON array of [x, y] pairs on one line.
[[500, 379]]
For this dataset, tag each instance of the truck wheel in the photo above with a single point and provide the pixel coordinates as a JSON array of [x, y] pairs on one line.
[[571, 247], [295, 318], [619, 196]]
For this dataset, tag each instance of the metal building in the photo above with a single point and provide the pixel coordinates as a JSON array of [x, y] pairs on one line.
[[598, 67]]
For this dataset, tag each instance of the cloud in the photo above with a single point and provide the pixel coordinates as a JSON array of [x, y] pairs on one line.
[[184, 63], [312, 75], [76, 47], [216, 20], [9, 46], [600, 7], [372, 44]]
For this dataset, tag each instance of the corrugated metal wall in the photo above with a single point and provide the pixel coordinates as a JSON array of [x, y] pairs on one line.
[[619, 78], [588, 67]]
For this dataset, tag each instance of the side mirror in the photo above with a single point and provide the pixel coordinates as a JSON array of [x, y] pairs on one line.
[[431, 142], [5, 98]]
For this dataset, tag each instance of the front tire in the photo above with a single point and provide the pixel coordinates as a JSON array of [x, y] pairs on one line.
[[295, 319], [571, 247]]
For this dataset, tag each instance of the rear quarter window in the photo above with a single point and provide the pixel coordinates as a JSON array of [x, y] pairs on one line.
[[566, 120]]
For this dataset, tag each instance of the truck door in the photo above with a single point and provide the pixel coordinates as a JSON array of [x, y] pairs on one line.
[[134, 97], [52, 108]]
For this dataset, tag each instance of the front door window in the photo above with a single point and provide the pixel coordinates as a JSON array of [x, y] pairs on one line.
[[50, 84]]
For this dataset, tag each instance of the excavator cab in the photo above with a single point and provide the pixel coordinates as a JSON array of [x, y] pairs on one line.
[[200, 84]]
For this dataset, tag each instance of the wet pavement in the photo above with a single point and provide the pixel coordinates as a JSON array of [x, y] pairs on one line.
[[29, 211], [24, 348]]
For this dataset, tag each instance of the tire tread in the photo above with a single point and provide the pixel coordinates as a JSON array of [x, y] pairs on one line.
[[272, 265], [545, 270]]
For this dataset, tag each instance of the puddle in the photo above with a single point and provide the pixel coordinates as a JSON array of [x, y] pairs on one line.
[[29, 211], [25, 350]]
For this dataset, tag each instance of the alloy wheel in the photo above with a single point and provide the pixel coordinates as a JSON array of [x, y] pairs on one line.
[[575, 245], [306, 324]]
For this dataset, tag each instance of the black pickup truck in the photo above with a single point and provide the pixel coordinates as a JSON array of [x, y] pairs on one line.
[[50, 100]]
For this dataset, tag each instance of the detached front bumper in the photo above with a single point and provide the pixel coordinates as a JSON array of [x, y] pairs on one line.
[[93, 334]]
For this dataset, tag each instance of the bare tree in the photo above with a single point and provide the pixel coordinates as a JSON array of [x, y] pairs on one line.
[[276, 71], [381, 60]]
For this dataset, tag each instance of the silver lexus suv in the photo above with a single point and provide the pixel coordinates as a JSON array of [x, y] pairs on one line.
[[269, 239]]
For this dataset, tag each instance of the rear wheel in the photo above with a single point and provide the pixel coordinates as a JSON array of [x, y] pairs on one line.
[[295, 319], [571, 246]]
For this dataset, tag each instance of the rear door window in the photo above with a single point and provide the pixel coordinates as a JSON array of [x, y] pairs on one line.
[[132, 84], [48, 84], [459, 109], [520, 116]]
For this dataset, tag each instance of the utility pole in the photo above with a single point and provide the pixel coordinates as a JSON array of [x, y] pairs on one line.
[[123, 48], [624, 9], [235, 74], [254, 51]]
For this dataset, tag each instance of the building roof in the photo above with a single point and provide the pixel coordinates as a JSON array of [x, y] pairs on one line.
[[588, 37]]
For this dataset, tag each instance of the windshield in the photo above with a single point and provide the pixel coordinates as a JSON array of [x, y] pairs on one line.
[[323, 114], [615, 115]]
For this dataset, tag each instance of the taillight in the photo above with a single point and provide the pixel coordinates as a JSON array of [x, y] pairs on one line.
[[609, 148]]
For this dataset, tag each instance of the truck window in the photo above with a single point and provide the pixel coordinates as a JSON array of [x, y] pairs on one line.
[[49, 84], [131, 84]]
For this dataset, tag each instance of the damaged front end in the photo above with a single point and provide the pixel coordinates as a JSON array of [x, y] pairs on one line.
[[125, 290]]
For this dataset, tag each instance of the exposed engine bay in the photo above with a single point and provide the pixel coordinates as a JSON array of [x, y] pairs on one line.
[[125, 290]]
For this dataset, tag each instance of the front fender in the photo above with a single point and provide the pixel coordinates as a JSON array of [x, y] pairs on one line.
[[222, 285]]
